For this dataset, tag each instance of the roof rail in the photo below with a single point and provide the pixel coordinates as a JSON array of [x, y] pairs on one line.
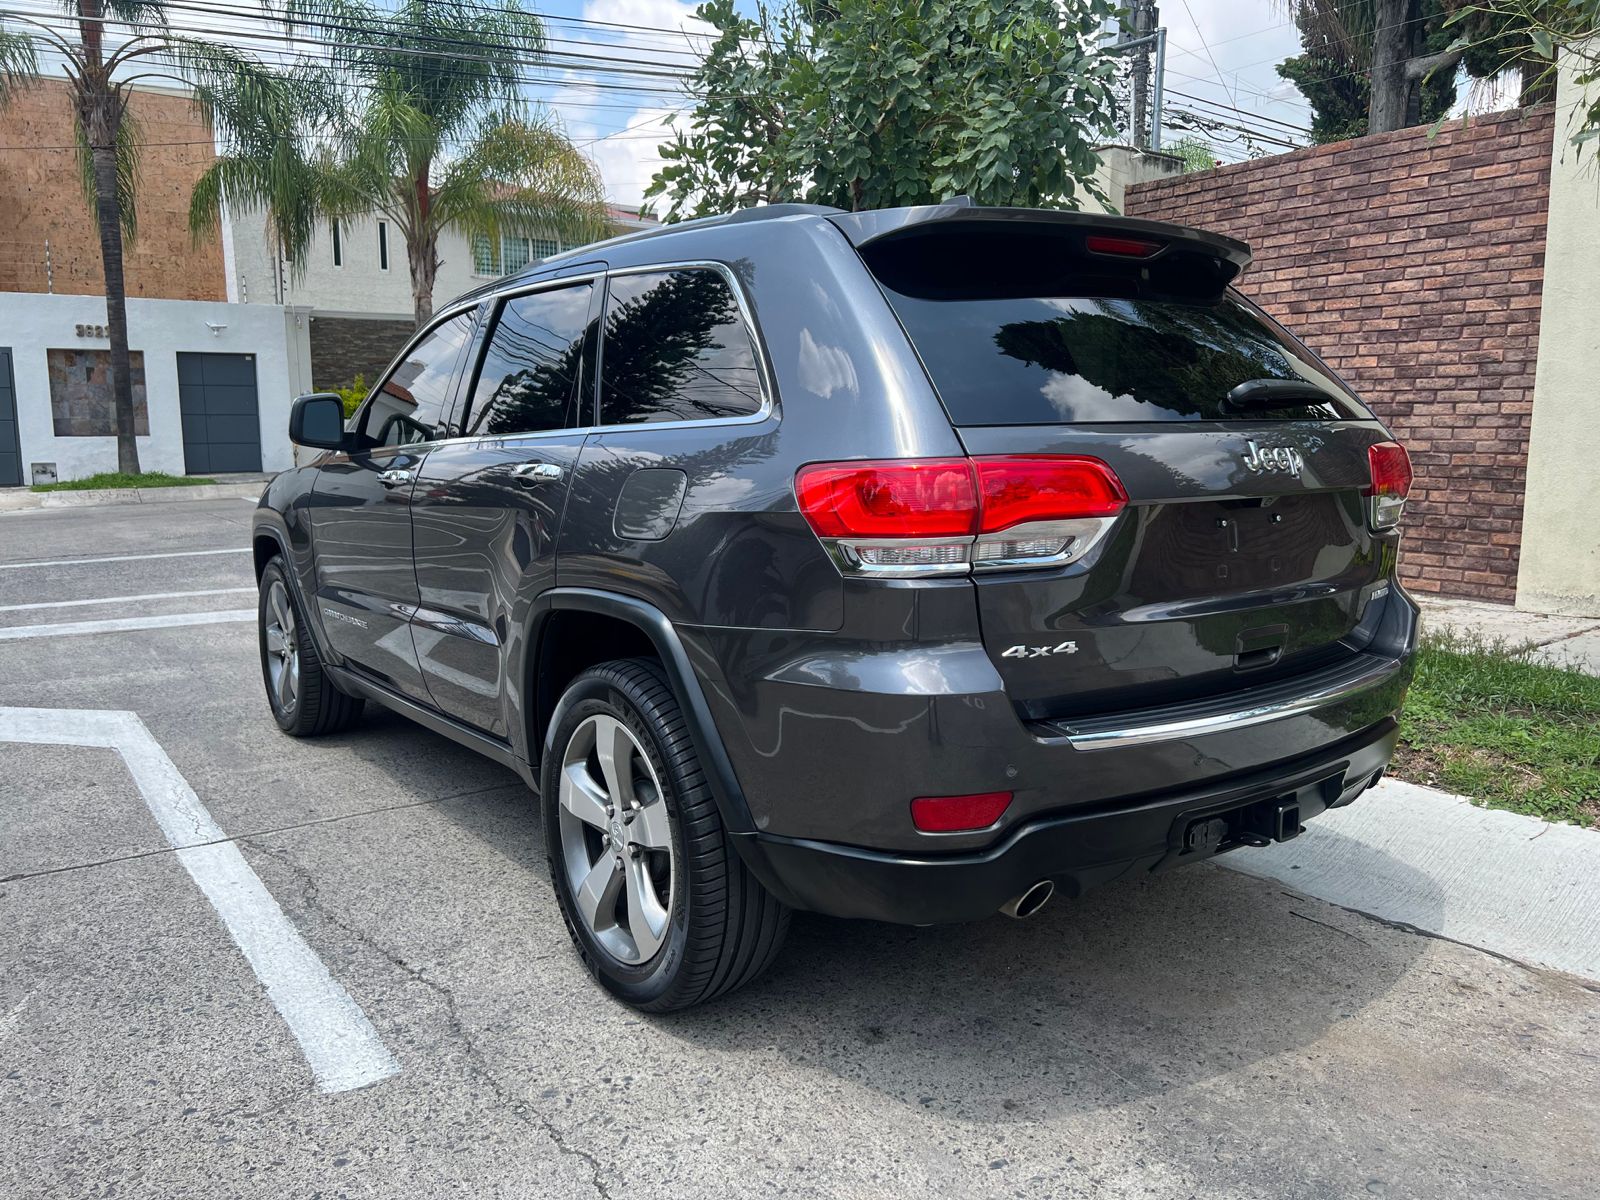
[[756, 212], [765, 212]]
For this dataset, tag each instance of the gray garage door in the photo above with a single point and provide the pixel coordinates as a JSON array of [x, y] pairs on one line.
[[10, 446], [221, 420]]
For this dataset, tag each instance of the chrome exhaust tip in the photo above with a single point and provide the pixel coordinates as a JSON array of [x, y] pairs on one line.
[[1030, 902]]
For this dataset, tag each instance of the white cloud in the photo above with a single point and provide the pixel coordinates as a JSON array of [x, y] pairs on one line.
[[654, 14], [629, 159]]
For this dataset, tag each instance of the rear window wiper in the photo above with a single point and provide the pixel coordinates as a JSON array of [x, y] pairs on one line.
[[1254, 395]]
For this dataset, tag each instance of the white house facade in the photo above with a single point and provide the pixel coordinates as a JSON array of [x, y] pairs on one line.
[[356, 283]]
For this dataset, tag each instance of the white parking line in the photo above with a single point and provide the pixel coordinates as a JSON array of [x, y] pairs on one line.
[[121, 599], [339, 1043], [73, 562], [124, 624]]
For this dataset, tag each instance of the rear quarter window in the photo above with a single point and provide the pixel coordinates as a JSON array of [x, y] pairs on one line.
[[676, 347]]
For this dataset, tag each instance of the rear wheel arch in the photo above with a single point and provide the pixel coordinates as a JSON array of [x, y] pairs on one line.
[[574, 629]]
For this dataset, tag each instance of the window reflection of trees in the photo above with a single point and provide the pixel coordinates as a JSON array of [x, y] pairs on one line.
[[676, 348], [1183, 358], [530, 373], [407, 407]]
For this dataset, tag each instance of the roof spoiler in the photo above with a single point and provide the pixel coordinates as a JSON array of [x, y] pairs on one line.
[[866, 228]]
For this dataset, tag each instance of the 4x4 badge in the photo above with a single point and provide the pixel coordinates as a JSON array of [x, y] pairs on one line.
[[1273, 458], [1040, 651]]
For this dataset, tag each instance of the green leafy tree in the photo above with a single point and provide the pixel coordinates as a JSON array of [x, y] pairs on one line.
[[1335, 69], [1495, 35], [428, 131], [104, 47], [870, 103], [1196, 153]]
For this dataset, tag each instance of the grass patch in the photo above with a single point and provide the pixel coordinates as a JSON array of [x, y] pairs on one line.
[[121, 479], [1484, 721]]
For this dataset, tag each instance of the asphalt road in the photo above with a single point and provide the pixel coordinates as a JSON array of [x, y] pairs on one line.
[[1207, 1034]]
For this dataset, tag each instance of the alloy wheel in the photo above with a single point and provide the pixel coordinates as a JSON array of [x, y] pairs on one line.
[[283, 649], [616, 839]]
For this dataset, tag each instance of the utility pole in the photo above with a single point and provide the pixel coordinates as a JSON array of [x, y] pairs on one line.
[[1140, 28]]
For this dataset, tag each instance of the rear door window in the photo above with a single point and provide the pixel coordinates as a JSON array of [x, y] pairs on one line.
[[531, 379], [1043, 360], [676, 348]]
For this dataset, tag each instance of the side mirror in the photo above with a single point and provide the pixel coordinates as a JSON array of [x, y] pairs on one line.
[[317, 420]]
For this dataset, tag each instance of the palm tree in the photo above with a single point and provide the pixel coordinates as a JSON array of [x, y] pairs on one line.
[[109, 46], [432, 135]]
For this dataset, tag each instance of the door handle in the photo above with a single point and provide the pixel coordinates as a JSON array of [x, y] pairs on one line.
[[395, 477], [530, 473]]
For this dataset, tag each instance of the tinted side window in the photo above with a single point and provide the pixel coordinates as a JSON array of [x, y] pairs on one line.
[[410, 405], [530, 379], [676, 348]]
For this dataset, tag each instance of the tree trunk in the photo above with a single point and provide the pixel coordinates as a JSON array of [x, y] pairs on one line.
[[422, 248], [423, 252], [1538, 83], [108, 215], [100, 114], [1391, 48]]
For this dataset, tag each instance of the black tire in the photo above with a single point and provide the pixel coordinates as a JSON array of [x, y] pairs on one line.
[[316, 706], [724, 928]]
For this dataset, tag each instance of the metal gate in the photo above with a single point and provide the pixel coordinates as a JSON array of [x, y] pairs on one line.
[[221, 416], [10, 442]]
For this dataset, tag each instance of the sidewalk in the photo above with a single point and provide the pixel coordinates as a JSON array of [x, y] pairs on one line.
[[1414, 855], [1557, 641], [243, 487]]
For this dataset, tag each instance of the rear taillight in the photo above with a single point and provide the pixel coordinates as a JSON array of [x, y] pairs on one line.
[[1391, 481], [941, 516]]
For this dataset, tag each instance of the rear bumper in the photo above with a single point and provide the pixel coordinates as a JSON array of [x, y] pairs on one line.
[[1075, 849]]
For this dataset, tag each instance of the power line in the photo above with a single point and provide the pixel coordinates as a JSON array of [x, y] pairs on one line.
[[1209, 55]]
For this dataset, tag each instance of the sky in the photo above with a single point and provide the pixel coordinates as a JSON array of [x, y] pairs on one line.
[[612, 79], [1219, 53]]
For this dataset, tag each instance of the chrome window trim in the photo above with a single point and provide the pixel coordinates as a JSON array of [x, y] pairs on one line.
[[746, 314], [763, 363]]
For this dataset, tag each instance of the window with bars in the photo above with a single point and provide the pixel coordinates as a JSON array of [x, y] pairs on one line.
[[511, 254]]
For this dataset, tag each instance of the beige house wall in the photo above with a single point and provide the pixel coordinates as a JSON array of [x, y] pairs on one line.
[[1123, 166], [49, 241], [1560, 567]]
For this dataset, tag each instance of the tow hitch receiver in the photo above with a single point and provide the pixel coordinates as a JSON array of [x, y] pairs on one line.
[[1257, 824]]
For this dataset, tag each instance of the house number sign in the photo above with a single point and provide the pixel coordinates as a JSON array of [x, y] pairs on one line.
[[92, 331]]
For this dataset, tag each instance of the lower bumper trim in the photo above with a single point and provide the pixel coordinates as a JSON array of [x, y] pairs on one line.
[[1076, 850]]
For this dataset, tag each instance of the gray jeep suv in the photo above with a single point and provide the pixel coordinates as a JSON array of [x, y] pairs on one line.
[[909, 565]]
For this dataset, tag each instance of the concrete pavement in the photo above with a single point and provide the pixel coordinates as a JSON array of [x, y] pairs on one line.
[[1558, 641], [1206, 1034]]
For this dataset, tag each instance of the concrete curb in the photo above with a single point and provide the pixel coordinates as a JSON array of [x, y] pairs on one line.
[[23, 500], [1513, 885]]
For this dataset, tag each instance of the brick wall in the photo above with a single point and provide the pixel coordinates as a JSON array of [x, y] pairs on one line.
[[1414, 267], [344, 347], [41, 199]]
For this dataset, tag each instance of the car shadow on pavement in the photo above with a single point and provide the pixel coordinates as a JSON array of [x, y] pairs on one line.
[[1128, 992], [1133, 990]]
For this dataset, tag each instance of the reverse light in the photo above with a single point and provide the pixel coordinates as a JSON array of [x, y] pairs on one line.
[[945, 516], [958, 814], [1391, 482]]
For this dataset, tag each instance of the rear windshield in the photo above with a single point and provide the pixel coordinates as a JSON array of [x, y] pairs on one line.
[[1045, 360]]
